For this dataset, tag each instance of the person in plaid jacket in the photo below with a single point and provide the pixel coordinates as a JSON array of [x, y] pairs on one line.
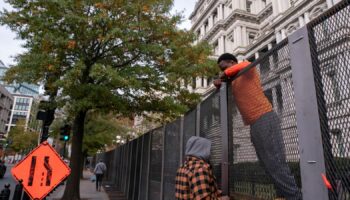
[[195, 178]]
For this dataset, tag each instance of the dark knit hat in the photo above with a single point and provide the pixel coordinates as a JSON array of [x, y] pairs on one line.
[[227, 56]]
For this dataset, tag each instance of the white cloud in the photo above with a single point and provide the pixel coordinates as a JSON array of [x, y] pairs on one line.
[[185, 6], [9, 45]]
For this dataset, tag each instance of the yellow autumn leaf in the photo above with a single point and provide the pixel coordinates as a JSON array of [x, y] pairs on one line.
[[71, 44]]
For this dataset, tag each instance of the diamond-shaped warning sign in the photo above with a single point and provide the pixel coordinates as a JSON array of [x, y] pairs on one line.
[[41, 171]]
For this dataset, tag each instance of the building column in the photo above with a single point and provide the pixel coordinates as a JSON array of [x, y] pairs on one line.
[[239, 35], [271, 61], [211, 21], [278, 37], [329, 3], [244, 36], [243, 4], [256, 58], [202, 30], [284, 33], [221, 45], [269, 46], [284, 5], [220, 12], [275, 7], [274, 98], [301, 21], [307, 17], [235, 4]]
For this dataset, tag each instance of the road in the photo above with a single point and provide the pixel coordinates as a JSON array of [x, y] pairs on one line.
[[8, 179]]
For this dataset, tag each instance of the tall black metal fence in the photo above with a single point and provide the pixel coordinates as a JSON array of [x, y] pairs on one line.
[[306, 79]]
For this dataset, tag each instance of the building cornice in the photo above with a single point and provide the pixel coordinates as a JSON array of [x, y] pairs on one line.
[[291, 12], [224, 24], [242, 15], [196, 7], [207, 10], [266, 12]]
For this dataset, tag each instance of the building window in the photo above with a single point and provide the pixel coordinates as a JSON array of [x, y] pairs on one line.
[[279, 98], [206, 26], [194, 83], [264, 68], [249, 6], [340, 144], [251, 37], [335, 86], [209, 81], [215, 17], [251, 58], [268, 94], [216, 48], [202, 81]]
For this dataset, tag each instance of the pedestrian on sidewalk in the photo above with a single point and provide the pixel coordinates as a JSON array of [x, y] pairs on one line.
[[99, 171], [265, 128], [195, 179]]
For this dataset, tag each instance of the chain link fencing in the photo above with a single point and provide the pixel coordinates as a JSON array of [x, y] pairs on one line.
[[264, 145]]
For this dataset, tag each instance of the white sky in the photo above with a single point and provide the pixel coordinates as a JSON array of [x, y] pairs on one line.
[[10, 46]]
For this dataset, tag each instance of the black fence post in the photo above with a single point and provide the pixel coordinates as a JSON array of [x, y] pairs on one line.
[[17, 195], [225, 139]]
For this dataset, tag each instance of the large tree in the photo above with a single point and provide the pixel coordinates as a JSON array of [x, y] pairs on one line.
[[101, 130], [21, 139], [124, 56]]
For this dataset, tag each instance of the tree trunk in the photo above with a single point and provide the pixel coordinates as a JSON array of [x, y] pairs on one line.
[[82, 166], [72, 191]]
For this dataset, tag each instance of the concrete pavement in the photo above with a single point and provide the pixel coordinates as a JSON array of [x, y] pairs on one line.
[[87, 190]]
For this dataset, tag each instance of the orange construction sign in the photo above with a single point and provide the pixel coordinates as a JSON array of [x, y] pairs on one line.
[[41, 171]]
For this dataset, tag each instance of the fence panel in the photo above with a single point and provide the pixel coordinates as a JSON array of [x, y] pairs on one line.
[[155, 172], [248, 177], [136, 169], [189, 129], [132, 168], [172, 155], [251, 167], [330, 48], [145, 167], [127, 168], [108, 159], [117, 167], [210, 129]]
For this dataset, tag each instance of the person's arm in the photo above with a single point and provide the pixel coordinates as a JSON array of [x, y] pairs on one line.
[[95, 169], [232, 71], [199, 184]]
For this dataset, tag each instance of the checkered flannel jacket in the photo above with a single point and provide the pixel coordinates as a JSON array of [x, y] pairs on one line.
[[195, 180]]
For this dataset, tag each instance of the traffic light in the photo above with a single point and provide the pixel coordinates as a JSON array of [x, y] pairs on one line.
[[65, 133]]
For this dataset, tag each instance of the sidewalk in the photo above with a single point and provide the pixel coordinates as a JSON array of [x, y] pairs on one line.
[[87, 190]]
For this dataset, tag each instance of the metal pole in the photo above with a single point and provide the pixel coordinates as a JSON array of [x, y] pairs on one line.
[[181, 140], [64, 149], [224, 137], [163, 157], [312, 162], [198, 119]]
